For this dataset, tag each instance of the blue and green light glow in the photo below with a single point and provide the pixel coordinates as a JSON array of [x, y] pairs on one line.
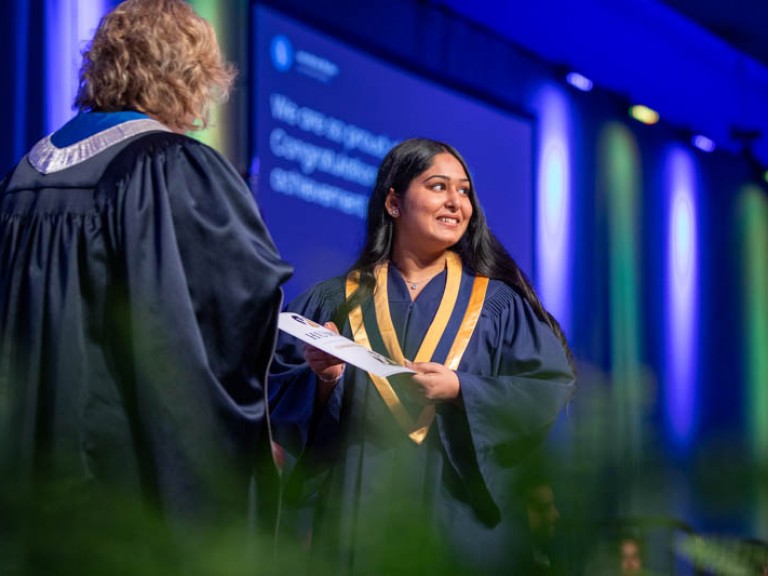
[[69, 25], [553, 242], [682, 297], [620, 175], [752, 229]]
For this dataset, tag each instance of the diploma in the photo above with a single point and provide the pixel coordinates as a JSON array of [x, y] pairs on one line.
[[340, 346]]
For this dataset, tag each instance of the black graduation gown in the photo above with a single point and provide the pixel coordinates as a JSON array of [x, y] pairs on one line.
[[382, 504], [139, 293]]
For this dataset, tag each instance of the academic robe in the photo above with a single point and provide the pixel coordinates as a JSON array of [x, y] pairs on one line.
[[370, 499], [139, 293]]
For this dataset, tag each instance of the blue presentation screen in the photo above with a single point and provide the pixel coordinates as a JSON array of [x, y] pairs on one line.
[[325, 114]]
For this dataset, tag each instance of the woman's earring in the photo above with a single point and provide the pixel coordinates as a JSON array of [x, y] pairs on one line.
[[394, 212]]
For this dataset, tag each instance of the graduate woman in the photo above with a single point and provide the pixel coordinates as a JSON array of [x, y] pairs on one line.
[[419, 468], [139, 293]]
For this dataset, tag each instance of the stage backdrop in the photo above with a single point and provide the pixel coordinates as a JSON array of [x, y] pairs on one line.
[[324, 116]]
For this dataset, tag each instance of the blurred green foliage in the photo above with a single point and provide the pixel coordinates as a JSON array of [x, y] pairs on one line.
[[602, 485]]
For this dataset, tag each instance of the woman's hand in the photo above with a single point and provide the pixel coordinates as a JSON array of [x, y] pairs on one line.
[[433, 383], [328, 369]]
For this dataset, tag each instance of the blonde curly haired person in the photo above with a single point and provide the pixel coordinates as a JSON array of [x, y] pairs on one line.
[[139, 295], [158, 57]]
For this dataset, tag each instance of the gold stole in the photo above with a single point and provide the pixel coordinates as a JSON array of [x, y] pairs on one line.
[[417, 430]]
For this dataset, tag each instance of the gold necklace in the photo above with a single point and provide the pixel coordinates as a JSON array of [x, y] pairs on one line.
[[413, 285], [410, 283]]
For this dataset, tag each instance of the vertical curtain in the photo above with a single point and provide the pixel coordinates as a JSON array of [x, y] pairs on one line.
[[23, 72], [41, 45]]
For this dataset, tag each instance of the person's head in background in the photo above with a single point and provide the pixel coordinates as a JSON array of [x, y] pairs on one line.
[[630, 555], [541, 511], [536, 492], [157, 57]]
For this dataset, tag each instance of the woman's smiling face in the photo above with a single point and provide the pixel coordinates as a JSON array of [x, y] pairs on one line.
[[435, 210]]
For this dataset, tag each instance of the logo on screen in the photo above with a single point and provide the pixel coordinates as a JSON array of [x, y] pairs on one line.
[[281, 51]]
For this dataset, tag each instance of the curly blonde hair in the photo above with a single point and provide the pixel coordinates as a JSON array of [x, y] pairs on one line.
[[158, 57]]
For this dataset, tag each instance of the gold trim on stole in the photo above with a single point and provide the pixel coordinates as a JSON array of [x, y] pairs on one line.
[[417, 430]]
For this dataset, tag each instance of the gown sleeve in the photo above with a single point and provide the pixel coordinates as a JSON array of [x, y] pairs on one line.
[[292, 383], [197, 306], [514, 385]]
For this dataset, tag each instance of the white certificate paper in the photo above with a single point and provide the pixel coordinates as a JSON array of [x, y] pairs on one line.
[[340, 346]]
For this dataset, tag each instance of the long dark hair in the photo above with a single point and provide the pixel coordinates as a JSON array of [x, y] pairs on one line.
[[479, 248]]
